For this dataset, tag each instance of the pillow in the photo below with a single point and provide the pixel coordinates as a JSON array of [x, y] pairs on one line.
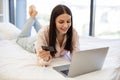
[[8, 31]]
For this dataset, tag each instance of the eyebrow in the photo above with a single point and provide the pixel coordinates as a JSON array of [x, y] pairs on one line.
[[63, 20]]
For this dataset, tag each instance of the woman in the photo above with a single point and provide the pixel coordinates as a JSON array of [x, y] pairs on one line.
[[59, 34]]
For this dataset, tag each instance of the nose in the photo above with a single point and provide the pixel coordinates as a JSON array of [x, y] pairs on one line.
[[65, 25]]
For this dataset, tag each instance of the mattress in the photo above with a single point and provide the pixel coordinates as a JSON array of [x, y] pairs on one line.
[[19, 64]]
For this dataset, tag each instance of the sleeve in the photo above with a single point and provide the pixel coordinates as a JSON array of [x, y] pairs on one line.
[[75, 41], [41, 39]]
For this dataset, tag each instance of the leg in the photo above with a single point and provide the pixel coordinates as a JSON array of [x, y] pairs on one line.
[[27, 43], [33, 12], [26, 31], [24, 39], [37, 25]]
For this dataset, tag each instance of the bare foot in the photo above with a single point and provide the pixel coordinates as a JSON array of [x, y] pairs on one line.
[[32, 11]]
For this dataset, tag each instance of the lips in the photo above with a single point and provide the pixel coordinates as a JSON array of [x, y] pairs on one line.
[[64, 29]]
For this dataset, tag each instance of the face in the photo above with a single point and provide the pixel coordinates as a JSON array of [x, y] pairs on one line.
[[63, 23]]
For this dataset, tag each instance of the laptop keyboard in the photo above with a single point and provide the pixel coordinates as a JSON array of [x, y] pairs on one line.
[[65, 72]]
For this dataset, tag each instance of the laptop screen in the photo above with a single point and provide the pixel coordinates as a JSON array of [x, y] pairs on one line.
[[84, 62]]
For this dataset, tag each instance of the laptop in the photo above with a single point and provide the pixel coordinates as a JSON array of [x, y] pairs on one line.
[[83, 62]]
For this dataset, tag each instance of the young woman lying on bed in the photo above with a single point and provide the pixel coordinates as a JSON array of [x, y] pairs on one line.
[[59, 35]]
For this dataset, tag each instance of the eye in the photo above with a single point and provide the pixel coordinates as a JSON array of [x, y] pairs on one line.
[[69, 21], [61, 22]]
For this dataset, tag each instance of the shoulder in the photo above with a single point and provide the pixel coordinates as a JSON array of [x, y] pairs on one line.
[[75, 35], [43, 33], [44, 30], [75, 32]]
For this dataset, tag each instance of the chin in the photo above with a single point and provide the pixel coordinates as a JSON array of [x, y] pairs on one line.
[[64, 32]]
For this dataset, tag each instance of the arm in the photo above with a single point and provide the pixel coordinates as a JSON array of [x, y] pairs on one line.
[[42, 41], [75, 42]]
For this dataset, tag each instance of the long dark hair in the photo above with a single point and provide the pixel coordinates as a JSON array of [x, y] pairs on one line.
[[58, 10]]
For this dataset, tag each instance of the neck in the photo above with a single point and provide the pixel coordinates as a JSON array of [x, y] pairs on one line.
[[60, 38], [60, 34]]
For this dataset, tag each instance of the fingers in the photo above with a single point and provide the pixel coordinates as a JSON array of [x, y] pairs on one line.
[[47, 59], [42, 63], [45, 55]]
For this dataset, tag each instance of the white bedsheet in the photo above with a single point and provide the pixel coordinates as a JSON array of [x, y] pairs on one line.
[[18, 64]]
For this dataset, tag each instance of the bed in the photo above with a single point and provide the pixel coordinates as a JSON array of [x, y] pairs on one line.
[[19, 64]]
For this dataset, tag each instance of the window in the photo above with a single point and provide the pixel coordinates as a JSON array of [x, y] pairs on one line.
[[107, 19], [80, 10]]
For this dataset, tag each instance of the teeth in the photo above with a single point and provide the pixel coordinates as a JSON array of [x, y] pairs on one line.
[[63, 29]]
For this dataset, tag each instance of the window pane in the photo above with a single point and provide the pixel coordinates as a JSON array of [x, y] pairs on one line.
[[107, 21], [80, 10]]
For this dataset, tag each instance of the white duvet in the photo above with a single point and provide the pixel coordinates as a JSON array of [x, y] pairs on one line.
[[18, 64]]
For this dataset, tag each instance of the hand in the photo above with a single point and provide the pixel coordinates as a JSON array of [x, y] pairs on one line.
[[41, 62], [45, 55]]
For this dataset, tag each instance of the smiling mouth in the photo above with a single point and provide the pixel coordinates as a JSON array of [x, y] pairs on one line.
[[64, 29]]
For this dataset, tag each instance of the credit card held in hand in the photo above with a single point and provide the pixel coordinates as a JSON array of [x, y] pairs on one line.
[[48, 48]]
